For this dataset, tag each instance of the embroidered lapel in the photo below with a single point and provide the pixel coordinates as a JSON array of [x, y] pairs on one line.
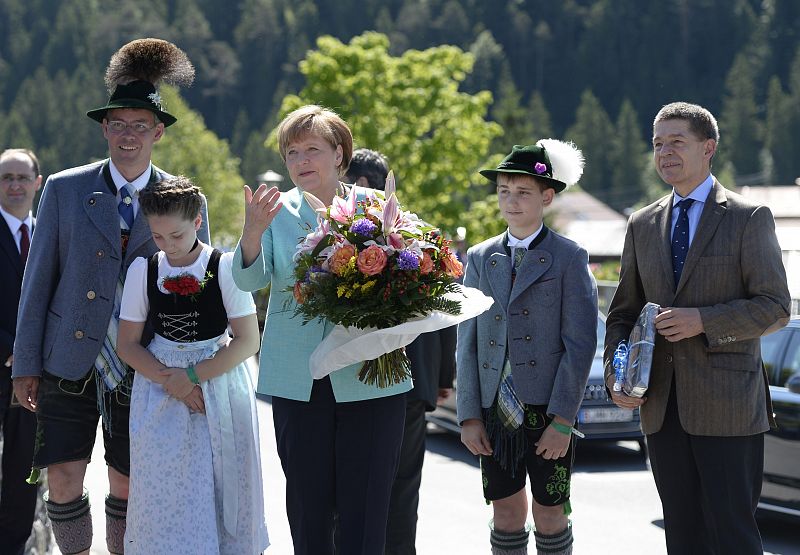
[[534, 265], [100, 207], [497, 269]]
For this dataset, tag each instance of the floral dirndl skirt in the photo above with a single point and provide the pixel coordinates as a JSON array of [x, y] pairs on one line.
[[196, 484]]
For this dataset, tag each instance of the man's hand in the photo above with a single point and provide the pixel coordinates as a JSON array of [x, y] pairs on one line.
[[26, 389], [9, 360], [473, 435], [443, 393], [676, 324], [624, 401]]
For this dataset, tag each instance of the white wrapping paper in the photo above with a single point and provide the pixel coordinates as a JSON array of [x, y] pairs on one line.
[[346, 346]]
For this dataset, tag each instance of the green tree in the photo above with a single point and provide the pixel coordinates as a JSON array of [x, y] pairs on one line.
[[740, 127], [539, 117], [511, 115], [628, 157], [592, 132], [489, 61], [779, 133], [794, 112], [54, 112], [408, 107], [190, 149]]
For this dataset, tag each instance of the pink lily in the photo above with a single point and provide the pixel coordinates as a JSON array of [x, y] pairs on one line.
[[312, 239], [317, 205], [396, 241], [343, 210], [391, 213], [391, 186]]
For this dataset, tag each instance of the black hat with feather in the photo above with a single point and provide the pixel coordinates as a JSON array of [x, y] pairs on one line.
[[134, 72]]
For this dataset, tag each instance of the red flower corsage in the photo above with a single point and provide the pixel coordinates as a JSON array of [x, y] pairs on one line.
[[185, 284]]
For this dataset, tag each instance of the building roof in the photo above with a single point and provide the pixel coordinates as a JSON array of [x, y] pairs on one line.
[[589, 222], [783, 200]]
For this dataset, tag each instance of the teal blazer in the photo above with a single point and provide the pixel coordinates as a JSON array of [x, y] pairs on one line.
[[287, 344]]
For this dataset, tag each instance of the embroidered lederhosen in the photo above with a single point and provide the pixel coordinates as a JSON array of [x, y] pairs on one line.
[[185, 319]]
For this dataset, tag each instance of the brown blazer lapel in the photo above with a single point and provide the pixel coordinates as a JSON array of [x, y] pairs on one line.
[[664, 224], [713, 211]]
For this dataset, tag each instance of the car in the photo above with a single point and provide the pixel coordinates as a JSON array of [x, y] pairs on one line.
[[598, 417], [780, 492]]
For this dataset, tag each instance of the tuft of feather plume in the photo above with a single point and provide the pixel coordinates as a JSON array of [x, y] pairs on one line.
[[566, 159], [152, 60]]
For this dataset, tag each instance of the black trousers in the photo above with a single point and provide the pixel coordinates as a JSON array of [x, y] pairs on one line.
[[401, 531], [709, 488], [338, 459], [17, 497]]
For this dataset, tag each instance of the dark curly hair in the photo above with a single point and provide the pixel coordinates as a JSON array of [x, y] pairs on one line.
[[174, 196]]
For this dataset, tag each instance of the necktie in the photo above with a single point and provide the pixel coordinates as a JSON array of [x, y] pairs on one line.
[[680, 239], [108, 364], [510, 409], [24, 243], [519, 254], [125, 206]]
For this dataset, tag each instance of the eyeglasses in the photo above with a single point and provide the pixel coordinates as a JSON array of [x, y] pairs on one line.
[[117, 127], [21, 179]]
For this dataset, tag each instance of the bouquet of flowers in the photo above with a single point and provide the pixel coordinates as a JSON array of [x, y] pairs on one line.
[[372, 268]]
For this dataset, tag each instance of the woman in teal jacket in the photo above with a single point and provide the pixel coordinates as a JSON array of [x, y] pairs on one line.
[[338, 439]]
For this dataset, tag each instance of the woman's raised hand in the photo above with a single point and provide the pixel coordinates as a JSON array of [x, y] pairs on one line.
[[260, 208]]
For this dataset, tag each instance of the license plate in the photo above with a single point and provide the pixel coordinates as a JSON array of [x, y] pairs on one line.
[[605, 414]]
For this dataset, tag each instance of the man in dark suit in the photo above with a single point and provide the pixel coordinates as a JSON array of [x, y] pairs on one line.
[[711, 260], [90, 230], [19, 181], [432, 357]]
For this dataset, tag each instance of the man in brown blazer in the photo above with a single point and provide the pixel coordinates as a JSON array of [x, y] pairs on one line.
[[711, 260]]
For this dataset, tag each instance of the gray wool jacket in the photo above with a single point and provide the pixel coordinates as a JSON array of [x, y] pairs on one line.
[[546, 319]]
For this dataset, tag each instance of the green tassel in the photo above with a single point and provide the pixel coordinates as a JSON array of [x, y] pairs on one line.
[[33, 479]]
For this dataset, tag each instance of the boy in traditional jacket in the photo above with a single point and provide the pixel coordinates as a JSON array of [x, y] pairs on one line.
[[523, 364]]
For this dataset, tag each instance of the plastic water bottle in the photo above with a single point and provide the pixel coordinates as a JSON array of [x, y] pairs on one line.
[[620, 361]]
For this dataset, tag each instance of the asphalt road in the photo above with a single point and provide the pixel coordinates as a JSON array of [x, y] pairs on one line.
[[611, 486]]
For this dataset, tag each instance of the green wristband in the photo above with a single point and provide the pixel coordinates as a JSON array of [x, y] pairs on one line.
[[190, 371], [566, 430], [561, 428]]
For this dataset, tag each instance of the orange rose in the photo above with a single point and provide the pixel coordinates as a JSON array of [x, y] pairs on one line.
[[371, 260], [339, 259], [426, 264], [299, 292], [452, 267]]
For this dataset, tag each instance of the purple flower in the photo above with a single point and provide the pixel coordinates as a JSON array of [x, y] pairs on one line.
[[314, 273], [540, 168], [363, 227], [407, 260]]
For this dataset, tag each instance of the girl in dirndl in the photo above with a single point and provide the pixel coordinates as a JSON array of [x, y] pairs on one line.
[[195, 484]]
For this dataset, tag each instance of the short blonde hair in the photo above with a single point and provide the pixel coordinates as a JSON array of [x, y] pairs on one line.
[[322, 122]]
